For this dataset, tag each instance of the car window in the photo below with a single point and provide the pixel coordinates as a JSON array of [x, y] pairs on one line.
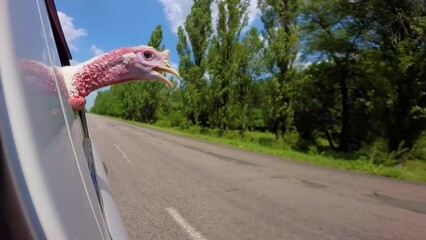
[[45, 133]]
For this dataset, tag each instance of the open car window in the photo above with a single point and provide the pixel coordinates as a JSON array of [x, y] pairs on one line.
[[44, 178], [61, 43]]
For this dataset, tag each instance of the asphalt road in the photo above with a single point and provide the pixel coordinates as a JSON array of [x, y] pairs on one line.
[[170, 187]]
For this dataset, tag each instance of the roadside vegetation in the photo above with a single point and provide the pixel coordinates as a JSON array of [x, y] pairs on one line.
[[339, 83], [412, 170]]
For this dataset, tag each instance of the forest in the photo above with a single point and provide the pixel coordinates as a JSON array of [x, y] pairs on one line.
[[346, 77]]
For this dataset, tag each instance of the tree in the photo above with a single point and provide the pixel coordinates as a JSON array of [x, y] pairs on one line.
[[280, 32], [223, 62], [108, 103], [244, 97], [335, 32], [152, 90], [400, 35], [192, 66], [317, 105]]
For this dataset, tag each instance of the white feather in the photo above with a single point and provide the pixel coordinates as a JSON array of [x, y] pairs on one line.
[[68, 72], [127, 57]]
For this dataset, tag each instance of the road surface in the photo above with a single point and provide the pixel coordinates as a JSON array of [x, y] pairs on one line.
[[170, 187]]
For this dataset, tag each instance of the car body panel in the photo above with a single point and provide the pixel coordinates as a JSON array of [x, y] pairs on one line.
[[43, 139], [111, 212]]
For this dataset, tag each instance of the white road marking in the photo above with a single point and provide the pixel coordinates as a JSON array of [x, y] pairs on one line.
[[192, 232], [99, 127], [123, 154]]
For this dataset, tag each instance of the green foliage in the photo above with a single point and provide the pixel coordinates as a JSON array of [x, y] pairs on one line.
[[334, 31], [404, 51], [225, 63], [192, 63], [378, 153], [418, 152], [107, 103], [412, 170], [156, 38], [141, 101], [152, 92], [291, 138], [334, 79], [174, 119], [281, 34], [256, 120]]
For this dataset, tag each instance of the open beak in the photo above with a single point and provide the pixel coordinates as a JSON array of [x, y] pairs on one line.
[[165, 68]]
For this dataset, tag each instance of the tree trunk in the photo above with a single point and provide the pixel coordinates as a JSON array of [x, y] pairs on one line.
[[399, 131], [344, 144], [278, 134], [330, 139]]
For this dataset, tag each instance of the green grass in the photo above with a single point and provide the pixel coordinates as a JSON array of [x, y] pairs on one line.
[[265, 143]]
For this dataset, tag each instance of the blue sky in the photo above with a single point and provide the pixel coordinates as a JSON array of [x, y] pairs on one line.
[[93, 27]]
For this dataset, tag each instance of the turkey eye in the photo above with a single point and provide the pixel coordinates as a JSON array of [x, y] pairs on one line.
[[147, 55]]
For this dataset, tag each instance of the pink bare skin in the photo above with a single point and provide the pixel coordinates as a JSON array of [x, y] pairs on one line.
[[117, 66]]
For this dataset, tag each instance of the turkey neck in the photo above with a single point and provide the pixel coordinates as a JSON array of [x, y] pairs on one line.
[[98, 72]]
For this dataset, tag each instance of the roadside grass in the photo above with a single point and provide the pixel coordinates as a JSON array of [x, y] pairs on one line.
[[412, 170]]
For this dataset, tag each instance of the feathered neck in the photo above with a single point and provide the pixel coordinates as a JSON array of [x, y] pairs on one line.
[[109, 68]]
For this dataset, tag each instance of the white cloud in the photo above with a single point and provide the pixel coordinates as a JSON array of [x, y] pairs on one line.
[[301, 63], [176, 12], [96, 51], [253, 12], [262, 38], [215, 13], [71, 32]]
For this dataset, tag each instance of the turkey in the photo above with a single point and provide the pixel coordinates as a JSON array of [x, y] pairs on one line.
[[117, 66]]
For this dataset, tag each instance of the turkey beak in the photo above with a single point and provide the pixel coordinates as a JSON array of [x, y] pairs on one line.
[[166, 67]]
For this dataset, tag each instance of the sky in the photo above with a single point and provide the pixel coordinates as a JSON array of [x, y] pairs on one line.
[[93, 27]]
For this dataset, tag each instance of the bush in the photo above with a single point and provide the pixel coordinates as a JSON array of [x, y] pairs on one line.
[[173, 120], [378, 153], [194, 129], [418, 152], [313, 150], [291, 139], [266, 141], [177, 119], [163, 123], [305, 145], [232, 134]]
